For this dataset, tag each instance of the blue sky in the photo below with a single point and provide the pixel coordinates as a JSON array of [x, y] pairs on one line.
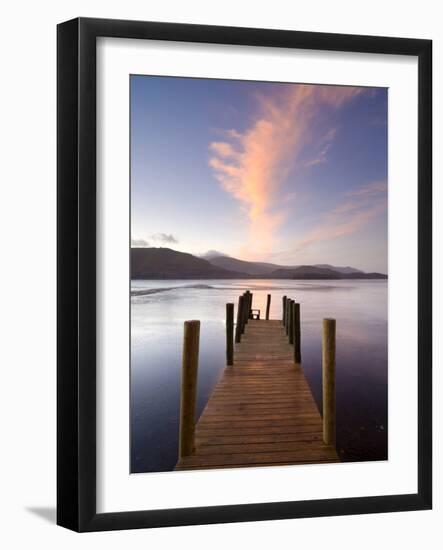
[[287, 173]]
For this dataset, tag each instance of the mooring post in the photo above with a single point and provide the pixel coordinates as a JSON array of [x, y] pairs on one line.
[[288, 304], [284, 310], [291, 321], [245, 308], [248, 295], [240, 314], [251, 296], [296, 332], [268, 306], [229, 334], [191, 341], [329, 409], [245, 311]]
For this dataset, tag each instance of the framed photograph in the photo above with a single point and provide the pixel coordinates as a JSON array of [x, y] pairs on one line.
[[244, 274]]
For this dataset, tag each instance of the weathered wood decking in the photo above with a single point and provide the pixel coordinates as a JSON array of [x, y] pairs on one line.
[[261, 412]]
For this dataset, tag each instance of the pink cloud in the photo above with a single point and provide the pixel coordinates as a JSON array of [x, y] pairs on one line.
[[252, 165], [222, 149]]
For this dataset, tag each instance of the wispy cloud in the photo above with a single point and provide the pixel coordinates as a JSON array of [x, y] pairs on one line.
[[164, 238], [372, 189], [326, 144], [139, 243], [222, 149], [252, 165], [361, 205], [320, 158]]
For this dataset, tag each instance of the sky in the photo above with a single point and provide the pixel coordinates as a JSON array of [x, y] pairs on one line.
[[286, 173]]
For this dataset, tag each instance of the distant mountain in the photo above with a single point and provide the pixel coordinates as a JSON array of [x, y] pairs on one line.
[[251, 268], [346, 269], [361, 275], [315, 272], [209, 254], [265, 269], [165, 263], [305, 272]]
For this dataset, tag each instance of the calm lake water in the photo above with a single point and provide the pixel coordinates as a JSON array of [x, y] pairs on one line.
[[157, 315]]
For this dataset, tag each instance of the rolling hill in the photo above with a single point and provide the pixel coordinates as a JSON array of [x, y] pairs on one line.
[[315, 272], [165, 263], [251, 268], [265, 269]]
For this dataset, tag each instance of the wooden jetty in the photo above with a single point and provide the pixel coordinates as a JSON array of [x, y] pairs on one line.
[[261, 412]]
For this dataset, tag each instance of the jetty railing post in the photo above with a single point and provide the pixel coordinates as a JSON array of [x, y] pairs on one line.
[[248, 295], [284, 310], [244, 319], [191, 342], [268, 306], [287, 315], [288, 303], [296, 332], [328, 356], [229, 334], [291, 321], [240, 314]]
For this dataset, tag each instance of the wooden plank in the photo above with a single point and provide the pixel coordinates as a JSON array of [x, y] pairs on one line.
[[261, 412], [231, 408], [259, 425], [257, 438], [258, 458], [184, 466], [306, 447], [248, 430], [265, 415]]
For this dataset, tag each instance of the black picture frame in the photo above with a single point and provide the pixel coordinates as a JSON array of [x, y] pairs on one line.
[[76, 265]]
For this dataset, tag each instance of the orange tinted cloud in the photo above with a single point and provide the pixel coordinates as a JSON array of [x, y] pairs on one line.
[[222, 149], [252, 165]]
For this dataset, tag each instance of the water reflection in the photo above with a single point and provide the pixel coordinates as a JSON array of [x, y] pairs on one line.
[[159, 308]]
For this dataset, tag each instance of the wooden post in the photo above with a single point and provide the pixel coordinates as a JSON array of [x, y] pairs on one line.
[[291, 321], [248, 304], [268, 306], [288, 302], [245, 311], [245, 308], [328, 353], [240, 314], [229, 334], [284, 310], [296, 332], [251, 296], [191, 340]]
